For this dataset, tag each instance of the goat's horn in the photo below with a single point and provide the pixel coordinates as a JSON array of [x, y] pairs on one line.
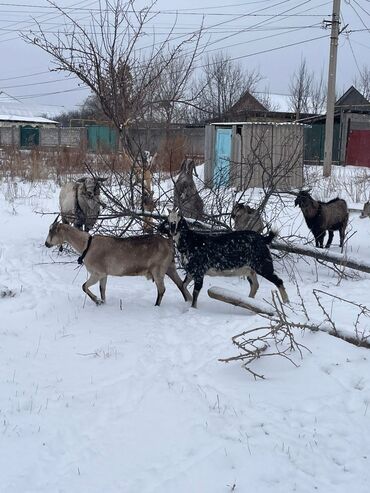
[[56, 219]]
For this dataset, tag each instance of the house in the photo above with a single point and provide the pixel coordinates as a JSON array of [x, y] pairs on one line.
[[250, 109], [20, 124], [351, 139]]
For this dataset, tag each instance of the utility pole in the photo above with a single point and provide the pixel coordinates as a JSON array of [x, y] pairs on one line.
[[330, 99]]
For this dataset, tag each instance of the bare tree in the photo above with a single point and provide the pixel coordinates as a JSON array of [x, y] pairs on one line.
[[300, 89], [266, 99], [363, 82], [108, 57], [172, 94], [221, 84], [317, 100]]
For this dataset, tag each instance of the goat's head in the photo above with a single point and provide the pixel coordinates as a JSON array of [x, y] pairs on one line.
[[365, 211], [91, 186], [303, 199], [236, 210], [54, 237], [188, 167], [175, 220], [241, 209]]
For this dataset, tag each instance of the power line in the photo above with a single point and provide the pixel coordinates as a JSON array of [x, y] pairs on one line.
[[360, 18], [200, 66], [258, 24], [201, 11], [40, 83], [24, 76]]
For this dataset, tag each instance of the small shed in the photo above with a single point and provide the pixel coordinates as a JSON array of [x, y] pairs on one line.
[[254, 154]]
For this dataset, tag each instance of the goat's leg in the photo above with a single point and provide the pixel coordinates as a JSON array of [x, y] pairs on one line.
[[267, 271], [159, 281], [330, 239], [187, 280], [102, 286], [93, 279], [342, 234], [198, 284], [319, 237], [173, 275], [253, 281]]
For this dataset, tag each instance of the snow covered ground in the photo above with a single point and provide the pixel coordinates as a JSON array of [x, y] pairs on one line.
[[129, 397]]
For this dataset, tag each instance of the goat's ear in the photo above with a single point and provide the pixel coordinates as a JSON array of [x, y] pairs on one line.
[[81, 180], [102, 179]]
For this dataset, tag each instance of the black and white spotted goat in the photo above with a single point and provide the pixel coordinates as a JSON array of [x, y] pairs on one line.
[[228, 254]]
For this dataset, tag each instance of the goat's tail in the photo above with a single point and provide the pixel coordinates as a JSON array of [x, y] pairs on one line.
[[268, 238]]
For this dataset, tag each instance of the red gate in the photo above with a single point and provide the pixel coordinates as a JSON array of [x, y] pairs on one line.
[[358, 148]]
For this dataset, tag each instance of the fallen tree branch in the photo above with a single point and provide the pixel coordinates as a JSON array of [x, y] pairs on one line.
[[320, 254], [228, 296], [274, 340]]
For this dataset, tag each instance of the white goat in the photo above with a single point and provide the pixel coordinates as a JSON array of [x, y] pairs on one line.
[[80, 202], [148, 255]]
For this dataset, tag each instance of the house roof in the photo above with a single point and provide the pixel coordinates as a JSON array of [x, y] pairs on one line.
[[247, 102], [12, 109], [29, 119], [352, 98], [257, 123]]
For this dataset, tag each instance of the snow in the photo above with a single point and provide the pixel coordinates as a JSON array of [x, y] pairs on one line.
[[129, 397]]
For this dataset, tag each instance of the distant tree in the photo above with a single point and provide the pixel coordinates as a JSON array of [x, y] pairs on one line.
[[220, 85], [362, 82], [171, 94], [266, 99], [317, 102], [300, 89], [90, 110]]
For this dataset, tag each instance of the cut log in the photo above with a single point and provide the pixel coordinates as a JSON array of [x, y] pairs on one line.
[[229, 296], [321, 254]]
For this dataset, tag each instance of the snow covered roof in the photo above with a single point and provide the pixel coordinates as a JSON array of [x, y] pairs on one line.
[[12, 109], [258, 123], [18, 118]]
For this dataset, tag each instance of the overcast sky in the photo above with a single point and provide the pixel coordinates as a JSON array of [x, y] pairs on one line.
[[257, 32]]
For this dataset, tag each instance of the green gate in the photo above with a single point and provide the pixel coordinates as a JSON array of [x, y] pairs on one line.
[[314, 143], [101, 138], [30, 136]]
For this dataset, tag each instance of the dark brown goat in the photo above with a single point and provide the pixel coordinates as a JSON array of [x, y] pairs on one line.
[[186, 196], [323, 216]]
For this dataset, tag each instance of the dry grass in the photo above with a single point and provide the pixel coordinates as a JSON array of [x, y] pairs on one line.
[[171, 153], [58, 165], [354, 183], [64, 163]]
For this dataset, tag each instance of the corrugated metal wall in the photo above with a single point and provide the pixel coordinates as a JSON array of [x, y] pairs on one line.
[[358, 149], [314, 143], [262, 155]]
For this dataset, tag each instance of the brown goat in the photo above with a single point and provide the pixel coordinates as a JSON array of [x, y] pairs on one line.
[[149, 255], [324, 216], [186, 196], [246, 218]]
